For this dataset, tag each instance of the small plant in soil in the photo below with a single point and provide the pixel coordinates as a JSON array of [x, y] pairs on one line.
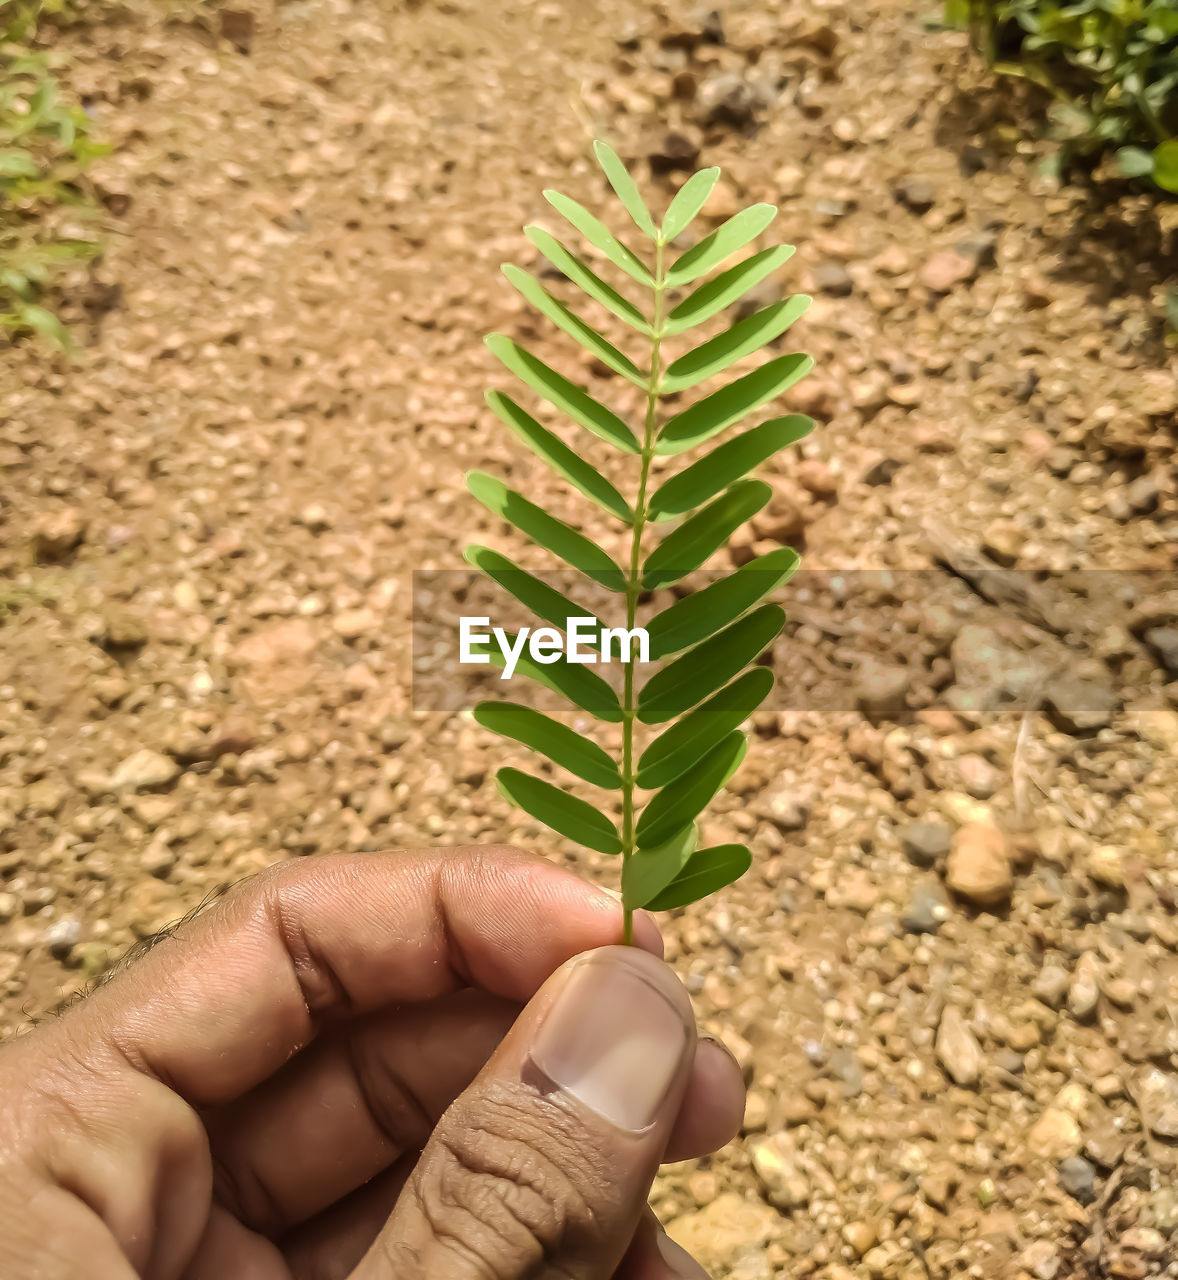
[[680, 727]]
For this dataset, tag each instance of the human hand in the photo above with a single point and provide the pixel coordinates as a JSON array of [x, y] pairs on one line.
[[384, 1067]]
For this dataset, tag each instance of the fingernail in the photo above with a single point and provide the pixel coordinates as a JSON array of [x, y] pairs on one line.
[[678, 1259], [617, 1036]]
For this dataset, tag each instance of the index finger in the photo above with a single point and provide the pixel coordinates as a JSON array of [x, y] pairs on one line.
[[221, 1004]]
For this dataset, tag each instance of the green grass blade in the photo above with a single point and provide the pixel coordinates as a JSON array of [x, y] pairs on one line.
[[531, 289], [585, 278], [711, 298], [572, 680], [689, 200], [552, 450], [625, 187], [730, 403], [562, 745], [533, 593], [565, 395], [648, 872], [567, 815], [682, 801], [600, 237], [716, 470], [688, 740], [705, 871], [723, 242], [725, 349], [699, 672], [687, 547], [546, 530], [704, 612]]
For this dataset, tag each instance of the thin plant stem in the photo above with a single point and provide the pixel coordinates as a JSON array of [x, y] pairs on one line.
[[634, 577]]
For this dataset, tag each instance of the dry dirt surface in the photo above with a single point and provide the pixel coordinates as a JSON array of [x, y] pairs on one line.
[[951, 975]]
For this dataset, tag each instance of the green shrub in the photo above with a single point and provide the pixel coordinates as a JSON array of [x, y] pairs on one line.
[[45, 148], [1110, 66]]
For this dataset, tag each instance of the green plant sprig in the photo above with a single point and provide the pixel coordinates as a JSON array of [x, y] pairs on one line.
[[708, 641], [45, 148]]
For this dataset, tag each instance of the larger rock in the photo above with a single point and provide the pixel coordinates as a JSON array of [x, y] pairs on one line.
[[775, 1163], [145, 770], [979, 867], [57, 533], [957, 1050], [1056, 1135], [719, 1233], [1157, 1095], [881, 691], [1080, 706]]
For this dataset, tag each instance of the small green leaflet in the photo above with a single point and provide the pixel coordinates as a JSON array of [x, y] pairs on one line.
[[565, 814], [722, 408], [599, 236], [546, 530], [699, 672], [1165, 164], [675, 750], [683, 800], [742, 339], [625, 187], [562, 745], [649, 871], [689, 200], [711, 298], [532, 291], [722, 243], [587, 279], [572, 680], [532, 592], [704, 612], [559, 456], [684, 549], [706, 871], [702, 480], [565, 395]]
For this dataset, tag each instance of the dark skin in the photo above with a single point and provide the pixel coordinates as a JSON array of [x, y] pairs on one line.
[[333, 1073]]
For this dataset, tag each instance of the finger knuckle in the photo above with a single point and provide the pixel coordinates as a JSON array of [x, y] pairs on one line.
[[515, 1184]]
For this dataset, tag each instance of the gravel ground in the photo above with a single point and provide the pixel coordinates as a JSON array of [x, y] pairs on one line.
[[952, 971]]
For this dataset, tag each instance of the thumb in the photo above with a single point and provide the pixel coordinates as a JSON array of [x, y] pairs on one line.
[[543, 1166]]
